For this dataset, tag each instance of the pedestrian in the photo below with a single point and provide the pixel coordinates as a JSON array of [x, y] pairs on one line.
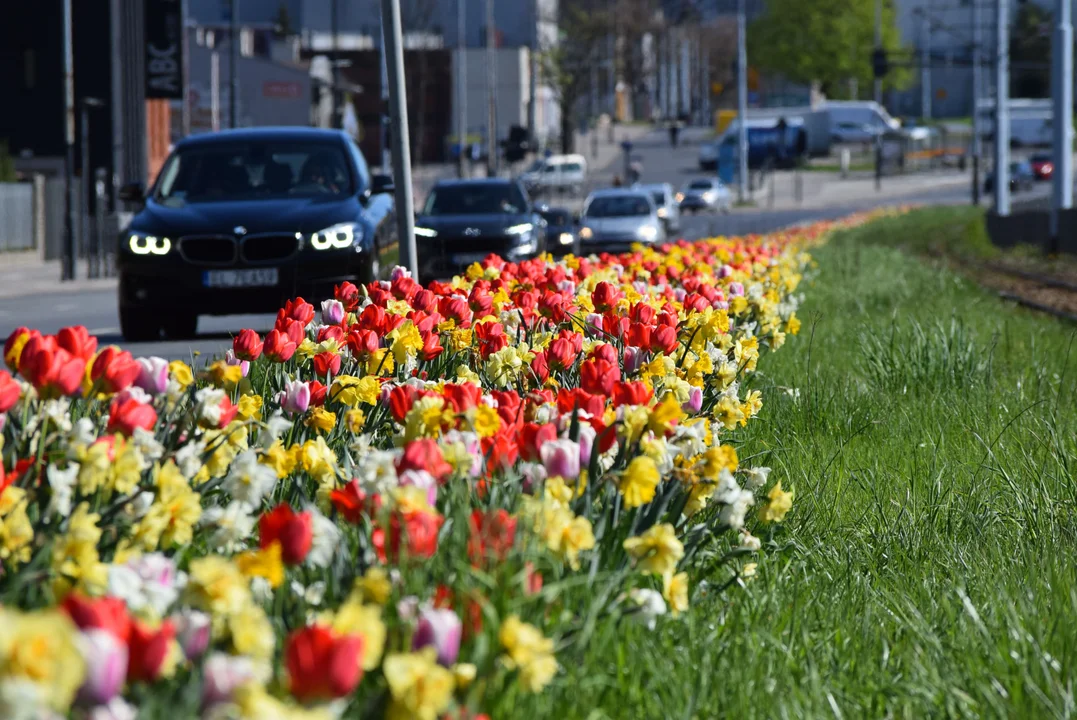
[[674, 131]]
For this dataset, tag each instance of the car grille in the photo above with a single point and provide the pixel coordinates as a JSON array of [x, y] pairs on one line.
[[268, 248], [208, 249], [612, 237], [454, 245]]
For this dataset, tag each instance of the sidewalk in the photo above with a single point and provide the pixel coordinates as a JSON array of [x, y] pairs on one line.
[[25, 275]]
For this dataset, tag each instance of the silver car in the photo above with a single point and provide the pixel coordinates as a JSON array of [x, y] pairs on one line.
[[666, 202], [613, 220], [705, 194]]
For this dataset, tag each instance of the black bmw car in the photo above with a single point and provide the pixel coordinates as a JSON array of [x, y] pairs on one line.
[[463, 221], [239, 221]]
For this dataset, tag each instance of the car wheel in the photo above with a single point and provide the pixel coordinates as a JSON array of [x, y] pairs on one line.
[[138, 325], [181, 325]]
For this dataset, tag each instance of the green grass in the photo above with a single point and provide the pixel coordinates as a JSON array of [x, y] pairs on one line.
[[929, 565]]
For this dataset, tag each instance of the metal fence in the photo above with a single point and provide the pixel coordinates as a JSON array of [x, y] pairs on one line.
[[16, 216]]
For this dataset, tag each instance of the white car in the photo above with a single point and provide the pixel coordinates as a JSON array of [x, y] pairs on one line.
[[666, 202], [708, 155], [558, 173], [705, 194], [615, 219]]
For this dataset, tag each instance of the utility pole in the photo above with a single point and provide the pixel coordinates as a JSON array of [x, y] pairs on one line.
[[1062, 93], [385, 160], [532, 90], [977, 129], [491, 91], [215, 90], [334, 22], [925, 66], [878, 46], [461, 84], [742, 104], [611, 72], [1001, 183], [233, 67], [186, 112], [405, 209], [69, 155]]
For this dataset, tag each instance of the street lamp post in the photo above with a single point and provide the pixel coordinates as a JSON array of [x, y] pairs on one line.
[[405, 208], [742, 103], [1062, 76], [1001, 184]]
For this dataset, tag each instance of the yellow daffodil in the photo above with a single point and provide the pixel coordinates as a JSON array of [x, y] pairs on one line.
[[265, 564], [421, 689], [42, 649], [657, 551], [529, 652], [780, 503], [675, 591], [639, 481], [321, 419]]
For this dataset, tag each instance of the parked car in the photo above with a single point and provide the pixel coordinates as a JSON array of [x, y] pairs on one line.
[[557, 173], [666, 202], [464, 221], [242, 220], [1021, 178], [705, 194], [1043, 166], [855, 132], [562, 237], [614, 219]]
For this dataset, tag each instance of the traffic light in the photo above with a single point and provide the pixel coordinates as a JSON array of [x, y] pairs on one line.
[[880, 63], [517, 145]]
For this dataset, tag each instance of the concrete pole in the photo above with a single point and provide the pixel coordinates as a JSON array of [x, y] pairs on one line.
[[742, 103], [68, 272], [85, 181], [335, 117], [1062, 93], [925, 66], [215, 90], [405, 208], [1001, 181], [461, 84], [879, 44], [385, 153], [185, 116], [233, 67], [491, 92], [977, 129], [533, 66]]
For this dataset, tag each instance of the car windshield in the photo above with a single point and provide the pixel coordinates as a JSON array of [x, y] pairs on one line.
[[254, 171], [475, 199], [611, 206], [1040, 158], [659, 197], [556, 218], [699, 185]]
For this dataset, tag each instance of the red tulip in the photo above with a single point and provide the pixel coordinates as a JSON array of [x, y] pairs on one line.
[[425, 301], [317, 393], [9, 391], [362, 342], [605, 297], [294, 329], [77, 341], [491, 338], [352, 502], [299, 310], [664, 339], [639, 335], [114, 370], [425, 455], [374, 318], [147, 650], [431, 346], [604, 351], [126, 414], [331, 332], [279, 347], [541, 366], [532, 436], [501, 451], [696, 302], [455, 309], [614, 325], [568, 400], [322, 665], [401, 399], [631, 393], [348, 296], [294, 532], [107, 613], [405, 288], [462, 396], [50, 369], [509, 407], [642, 313], [229, 410], [493, 534], [15, 345], [247, 345], [326, 363], [481, 302], [415, 534], [562, 354], [598, 376]]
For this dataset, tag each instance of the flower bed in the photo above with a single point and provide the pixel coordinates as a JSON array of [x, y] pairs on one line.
[[412, 505]]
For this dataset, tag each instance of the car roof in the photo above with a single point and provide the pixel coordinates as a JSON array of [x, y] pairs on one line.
[[283, 133], [610, 192], [453, 182]]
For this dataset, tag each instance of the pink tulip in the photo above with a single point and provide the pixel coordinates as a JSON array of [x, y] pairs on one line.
[[695, 401], [422, 480], [725, 271], [332, 312], [295, 398], [633, 359], [399, 273], [192, 632], [153, 376], [440, 629], [561, 457], [231, 359], [106, 667], [587, 443], [736, 289], [222, 675], [594, 324]]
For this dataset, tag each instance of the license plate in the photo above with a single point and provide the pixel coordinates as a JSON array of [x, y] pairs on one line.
[[262, 277], [466, 259]]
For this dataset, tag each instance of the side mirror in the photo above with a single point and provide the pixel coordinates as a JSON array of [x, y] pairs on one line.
[[382, 184], [132, 193]]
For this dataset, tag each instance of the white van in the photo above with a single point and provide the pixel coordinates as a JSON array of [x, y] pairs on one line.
[[556, 173], [864, 115]]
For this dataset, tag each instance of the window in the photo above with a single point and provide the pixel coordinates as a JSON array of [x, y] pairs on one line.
[[475, 199], [255, 170], [612, 206], [700, 185]]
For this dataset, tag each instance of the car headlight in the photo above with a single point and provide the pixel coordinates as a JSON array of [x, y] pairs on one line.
[[143, 244], [426, 232], [521, 229], [662, 212], [586, 233], [337, 237], [680, 197], [710, 196], [648, 233], [565, 238]]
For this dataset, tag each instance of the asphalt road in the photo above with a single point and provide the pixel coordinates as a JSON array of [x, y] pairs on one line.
[[97, 309]]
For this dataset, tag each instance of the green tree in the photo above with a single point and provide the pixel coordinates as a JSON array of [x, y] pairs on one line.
[[825, 41], [1030, 52]]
